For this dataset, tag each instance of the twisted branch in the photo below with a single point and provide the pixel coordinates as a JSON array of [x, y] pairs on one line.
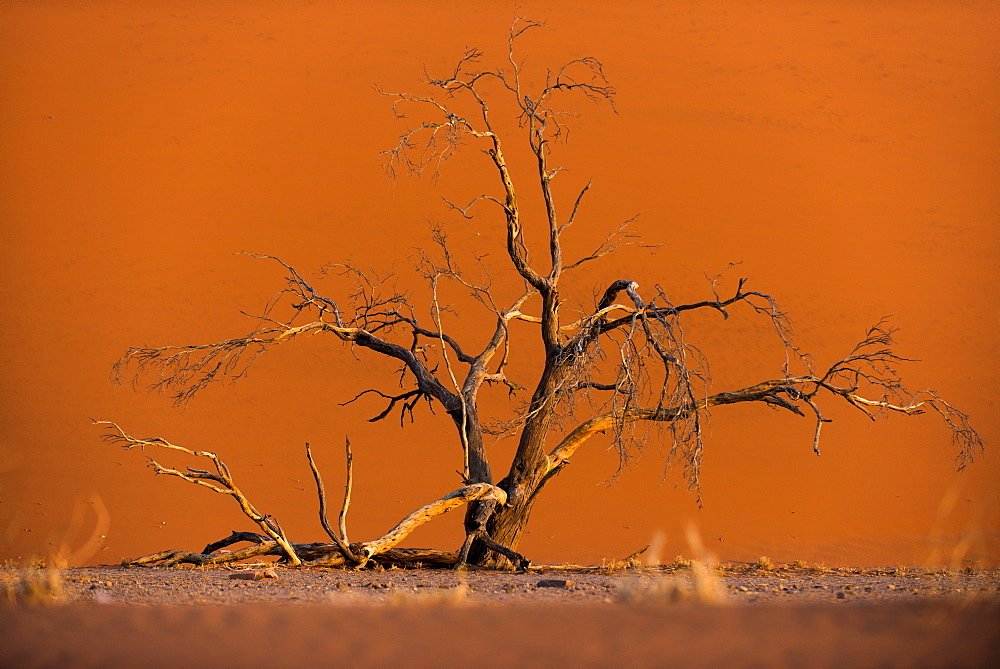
[[222, 481]]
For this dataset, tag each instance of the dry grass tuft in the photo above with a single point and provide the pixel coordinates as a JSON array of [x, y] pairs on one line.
[[680, 562], [448, 596], [657, 590], [764, 563], [707, 586], [703, 587], [630, 561], [31, 587]]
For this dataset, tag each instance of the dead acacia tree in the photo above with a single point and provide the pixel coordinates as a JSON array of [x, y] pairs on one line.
[[622, 362]]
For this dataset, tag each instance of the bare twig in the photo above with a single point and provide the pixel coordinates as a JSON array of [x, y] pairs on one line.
[[222, 481], [342, 541], [348, 485]]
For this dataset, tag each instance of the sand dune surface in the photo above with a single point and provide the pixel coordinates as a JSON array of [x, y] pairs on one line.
[[843, 153]]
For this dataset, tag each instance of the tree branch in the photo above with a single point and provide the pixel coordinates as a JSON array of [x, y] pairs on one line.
[[348, 485], [967, 439], [425, 513], [409, 400], [223, 477], [343, 543], [186, 370]]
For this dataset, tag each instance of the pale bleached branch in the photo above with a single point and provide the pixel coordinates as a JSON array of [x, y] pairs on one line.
[[343, 543], [348, 486], [226, 485]]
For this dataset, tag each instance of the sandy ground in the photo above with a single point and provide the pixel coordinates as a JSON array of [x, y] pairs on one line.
[[550, 616]]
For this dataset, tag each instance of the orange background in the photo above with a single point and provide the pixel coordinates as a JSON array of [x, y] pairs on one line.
[[846, 153]]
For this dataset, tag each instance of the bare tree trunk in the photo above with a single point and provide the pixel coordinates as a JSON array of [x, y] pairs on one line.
[[528, 472], [506, 527]]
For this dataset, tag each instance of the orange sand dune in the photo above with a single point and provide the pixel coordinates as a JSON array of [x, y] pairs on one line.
[[844, 153]]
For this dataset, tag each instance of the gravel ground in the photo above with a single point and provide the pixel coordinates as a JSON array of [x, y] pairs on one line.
[[741, 584]]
